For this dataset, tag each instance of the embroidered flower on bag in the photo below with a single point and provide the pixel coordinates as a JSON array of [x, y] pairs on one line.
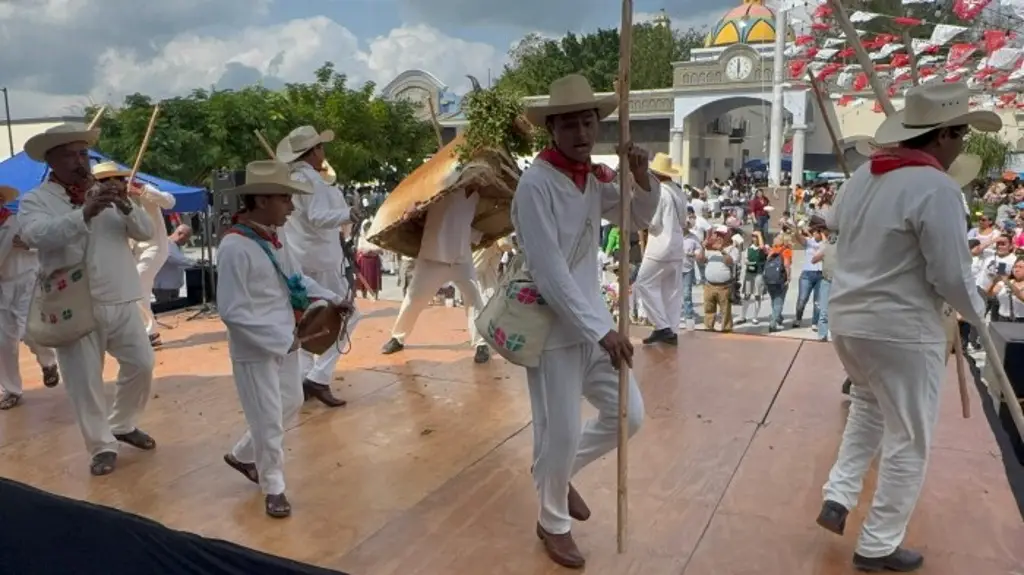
[[515, 342], [76, 275], [47, 287], [527, 295], [53, 318], [62, 285], [66, 314], [499, 337]]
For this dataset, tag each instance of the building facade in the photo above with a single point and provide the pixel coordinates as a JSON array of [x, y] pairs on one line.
[[716, 116]]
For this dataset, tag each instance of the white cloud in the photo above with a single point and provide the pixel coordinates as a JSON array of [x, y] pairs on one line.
[[193, 58]]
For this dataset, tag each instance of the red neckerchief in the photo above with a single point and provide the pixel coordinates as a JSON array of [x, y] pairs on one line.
[[261, 231], [5, 213], [891, 159], [578, 171], [76, 194]]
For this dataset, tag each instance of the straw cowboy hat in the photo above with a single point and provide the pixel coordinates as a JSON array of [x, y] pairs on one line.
[[570, 94], [932, 106], [328, 174], [7, 195], [300, 141], [965, 169], [59, 135], [662, 165], [270, 178], [105, 170]]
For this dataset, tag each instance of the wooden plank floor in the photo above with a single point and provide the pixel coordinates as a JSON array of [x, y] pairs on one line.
[[425, 472]]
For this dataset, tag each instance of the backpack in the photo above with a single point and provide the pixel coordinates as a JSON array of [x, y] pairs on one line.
[[775, 270]]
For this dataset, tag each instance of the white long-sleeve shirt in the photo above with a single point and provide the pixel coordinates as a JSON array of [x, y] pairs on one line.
[[901, 252], [548, 212], [313, 228], [59, 232], [253, 298], [154, 202], [665, 239], [448, 233], [172, 274], [16, 264]]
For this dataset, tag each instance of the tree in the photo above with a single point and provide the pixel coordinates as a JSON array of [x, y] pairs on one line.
[[376, 140], [992, 148], [536, 62]]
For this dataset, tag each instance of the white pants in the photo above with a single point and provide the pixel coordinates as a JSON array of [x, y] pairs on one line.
[[148, 263], [894, 406], [270, 392], [487, 281], [320, 368], [659, 290], [427, 278], [120, 333], [561, 448], [15, 297]]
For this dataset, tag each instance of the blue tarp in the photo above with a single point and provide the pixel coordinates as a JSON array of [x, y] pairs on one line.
[[762, 166], [24, 173]]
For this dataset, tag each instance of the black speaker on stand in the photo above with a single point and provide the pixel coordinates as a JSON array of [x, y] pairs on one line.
[[219, 209]]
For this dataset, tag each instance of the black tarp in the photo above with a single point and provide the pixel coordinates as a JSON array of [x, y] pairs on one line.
[[45, 534]]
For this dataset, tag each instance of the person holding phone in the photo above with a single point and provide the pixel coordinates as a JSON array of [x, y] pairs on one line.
[[1008, 291], [994, 267]]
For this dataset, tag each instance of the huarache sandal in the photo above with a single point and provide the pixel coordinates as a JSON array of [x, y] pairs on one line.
[[9, 401], [103, 463], [51, 376], [246, 469], [277, 506], [322, 393], [137, 439]]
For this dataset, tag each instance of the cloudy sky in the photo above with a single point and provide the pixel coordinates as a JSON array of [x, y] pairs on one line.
[[59, 55]]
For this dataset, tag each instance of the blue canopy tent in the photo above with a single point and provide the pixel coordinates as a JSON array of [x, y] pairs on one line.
[[762, 166], [23, 173]]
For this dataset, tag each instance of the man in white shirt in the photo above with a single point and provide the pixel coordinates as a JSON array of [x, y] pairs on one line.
[[692, 249], [260, 291], [658, 284], [314, 235], [18, 268], [720, 258], [558, 205], [69, 219], [902, 252], [150, 255], [445, 256], [171, 277]]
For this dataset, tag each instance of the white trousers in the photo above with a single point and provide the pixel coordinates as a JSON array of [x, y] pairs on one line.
[[320, 368], [428, 277], [148, 263], [659, 290], [15, 298], [270, 392], [894, 406], [561, 448], [120, 333]]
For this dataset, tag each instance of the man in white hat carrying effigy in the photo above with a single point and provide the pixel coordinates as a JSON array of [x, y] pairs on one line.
[[18, 268], [902, 252], [313, 232], [260, 291], [558, 205], [70, 219], [151, 254], [659, 282]]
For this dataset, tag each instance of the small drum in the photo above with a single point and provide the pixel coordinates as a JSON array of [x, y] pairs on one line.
[[319, 328]]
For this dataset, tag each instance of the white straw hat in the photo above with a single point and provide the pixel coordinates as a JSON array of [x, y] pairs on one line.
[[570, 94], [300, 141], [59, 135], [933, 106], [270, 178]]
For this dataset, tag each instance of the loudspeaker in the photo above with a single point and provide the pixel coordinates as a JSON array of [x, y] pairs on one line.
[[222, 181]]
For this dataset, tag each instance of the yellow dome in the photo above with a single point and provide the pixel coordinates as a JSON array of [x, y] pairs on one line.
[[750, 23]]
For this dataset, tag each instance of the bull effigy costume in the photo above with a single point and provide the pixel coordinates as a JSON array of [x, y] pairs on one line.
[[264, 299], [19, 265], [899, 217]]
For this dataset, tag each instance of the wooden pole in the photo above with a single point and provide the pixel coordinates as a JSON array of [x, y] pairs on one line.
[[820, 99], [97, 117], [625, 191], [265, 144], [144, 146], [437, 124], [862, 56]]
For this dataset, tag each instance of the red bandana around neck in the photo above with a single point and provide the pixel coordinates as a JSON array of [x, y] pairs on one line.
[[76, 194], [5, 213], [578, 171], [263, 232], [891, 159]]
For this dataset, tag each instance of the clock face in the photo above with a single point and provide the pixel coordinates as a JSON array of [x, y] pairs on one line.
[[738, 68]]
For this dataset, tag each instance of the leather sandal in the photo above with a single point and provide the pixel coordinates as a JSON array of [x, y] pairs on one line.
[[277, 506], [322, 393], [561, 549], [246, 469], [103, 463], [9, 401], [137, 439]]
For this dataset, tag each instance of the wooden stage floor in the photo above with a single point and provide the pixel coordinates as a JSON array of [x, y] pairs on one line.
[[425, 472]]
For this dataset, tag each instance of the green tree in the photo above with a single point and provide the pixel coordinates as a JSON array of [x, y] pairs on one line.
[[536, 62], [993, 150], [376, 140]]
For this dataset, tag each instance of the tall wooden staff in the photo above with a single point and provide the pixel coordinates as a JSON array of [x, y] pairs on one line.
[[625, 191], [144, 145], [97, 117], [993, 354]]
